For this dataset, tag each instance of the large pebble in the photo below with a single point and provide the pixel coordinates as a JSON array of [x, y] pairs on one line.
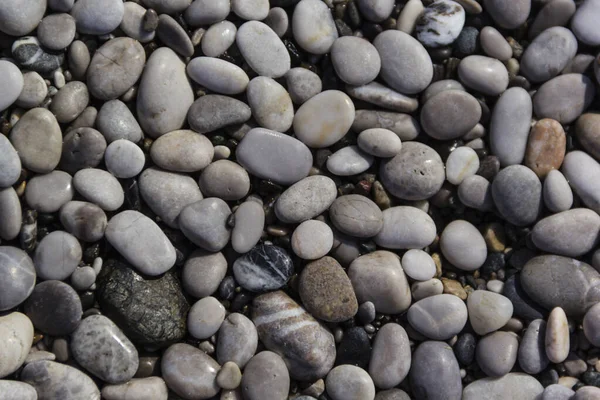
[[517, 193], [391, 357], [164, 93], [356, 61], [349, 382], [405, 64], [18, 277], [496, 353], [15, 390], [57, 255], [557, 14], [10, 163], [431, 316], [483, 74], [523, 306], [99, 187], [532, 350], [101, 348], [115, 121], [204, 222], [224, 179], [462, 245], [137, 389], [583, 23], [218, 75], [97, 17], [378, 277], [591, 325], [85, 221], [10, 214], [564, 98], [516, 386], [582, 172], [38, 140], [54, 308], [218, 38], [48, 193], [546, 147], [142, 242], [249, 224], [587, 130], [494, 44], [16, 337], [302, 84], [508, 17], [548, 54], [356, 215], [264, 268], [284, 327], [440, 23], [434, 371], [450, 115], [557, 336], [189, 372], [350, 160], [53, 380], [488, 311], [272, 155], [406, 227], [28, 52], [237, 340], [12, 84], [182, 151], [205, 317], [203, 272], [570, 233], [262, 49], [557, 392], [557, 192], [265, 377], [17, 19], [313, 26], [124, 159], [271, 104], [214, 111]]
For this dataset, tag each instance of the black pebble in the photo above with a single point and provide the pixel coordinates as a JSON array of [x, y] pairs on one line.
[[464, 349], [591, 378], [54, 308], [523, 306], [354, 349]]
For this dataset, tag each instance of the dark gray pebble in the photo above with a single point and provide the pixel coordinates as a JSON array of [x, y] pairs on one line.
[[54, 308]]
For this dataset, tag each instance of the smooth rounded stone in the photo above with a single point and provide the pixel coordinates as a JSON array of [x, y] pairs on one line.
[[16, 336], [249, 224], [278, 21], [462, 163], [100, 347], [354, 346], [508, 17], [494, 44], [203, 272], [218, 75], [237, 340], [224, 179], [57, 255], [523, 306], [548, 54], [115, 121], [28, 53], [137, 389], [79, 59], [581, 172], [124, 159], [312, 240], [115, 67], [557, 336], [272, 155], [435, 371], [133, 23], [10, 163], [579, 64], [182, 151], [431, 287], [174, 36], [218, 38], [17, 19], [18, 277], [496, 353], [250, 9], [510, 124], [584, 21], [463, 246], [356, 215], [70, 101], [355, 60], [37, 139], [10, 214], [349, 161], [15, 390], [532, 351], [164, 93], [475, 192], [418, 265], [168, 193], [588, 133], [557, 193], [167, 6], [302, 84], [270, 103], [488, 311], [87, 119], [406, 127], [483, 74], [313, 27], [450, 115], [392, 394], [378, 277], [556, 281], [56, 31], [564, 98], [86, 221], [587, 393], [391, 357], [379, 142], [405, 64], [591, 325], [516, 386], [546, 147], [13, 83], [376, 11], [263, 268], [262, 49], [54, 308], [440, 23], [97, 17], [557, 392], [213, 111], [557, 14], [441, 86], [230, 376], [99, 187], [265, 377], [205, 317], [141, 241], [204, 222], [206, 12], [53, 380], [82, 278], [406, 227], [409, 15], [517, 194], [189, 372], [82, 148], [284, 327], [326, 291], [324, 119], [48, 193], [348, 382], [570, 233], [430, 316], [382, 96]]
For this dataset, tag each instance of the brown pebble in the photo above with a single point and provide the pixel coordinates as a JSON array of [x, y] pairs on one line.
[[454, 287], [546, 147], [587, 130], [380, 196], [494, 237]]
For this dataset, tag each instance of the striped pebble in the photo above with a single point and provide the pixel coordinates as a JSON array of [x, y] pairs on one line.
[[263, 268]]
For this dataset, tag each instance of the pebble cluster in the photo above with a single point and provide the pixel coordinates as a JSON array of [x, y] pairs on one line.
[[299, 199]]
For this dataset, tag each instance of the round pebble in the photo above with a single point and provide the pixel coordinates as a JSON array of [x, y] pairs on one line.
[[124, 159], [418, 265], [517, 194], [379, 142], [312, 239], [218, 38], [483, 74], [349, 382], [205, 318], [57, 255], [54, 308], [56, 31], [429, 316], [313, 26], [440, 23], [356, 61]]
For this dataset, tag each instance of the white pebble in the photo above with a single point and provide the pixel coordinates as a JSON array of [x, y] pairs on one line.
[[461, 164], [312, 240], [557, 336], [418, 265]]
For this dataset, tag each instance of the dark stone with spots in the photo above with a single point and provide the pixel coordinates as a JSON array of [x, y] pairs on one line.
[[263, 269], [493, 263], [213, 111], [523, 306], [82, 148], [591, 378], [150, 311], [54, 308], [150, 21], [29, 54], [467, 42], [227, 288], [464, 349], [354, 349], [53, 380], [489, 167], [548, 377]]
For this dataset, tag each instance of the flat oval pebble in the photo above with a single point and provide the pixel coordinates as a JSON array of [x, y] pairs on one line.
[[99, 187], [137, 389], [483, 74], [10, 214], [488, 311], [356, 215], [557, 192], [349, 161], [238, 340], [205, 317], [57, 255], [406, 227], [249, 224], [16, 332], [514, 385], [124, 159], [378, 277], [313, 26], [54, 308], [264, 268], [430, 316], [115, 121], [189, 372], [101, 348], [271, 104], [218, 75], [546, 147], [262, 49], [218, 38], [462, 245], [138, 239], [17, 20], [583, 22], [443, 122], [15, 390], [164, 93], [434, 370], [532, 350], [224, 179], [564, 98], [379, 142], [557, 336], [272, 155], [203, 272], [352, 68], [382, 96], [391, 356], [82, 148], [54, 380], [48, 193], [97, 17], [182, 151], [302, 84], [133, 23], [494, 44], [85, 221], [172, 34], [265, 377], [204, 222], [405, 64], [18, 273], [440, 23], [517, 193], [581, 172], [496, 353], [12, 85], [349, 382], [548, 54], [508, 17], [10, 164], [214, 111], [312, 239], [418, 265]]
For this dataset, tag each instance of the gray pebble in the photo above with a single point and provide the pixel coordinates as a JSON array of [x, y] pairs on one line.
[[312, 240], [99, 187], [213, 111], [463, 246], [421, 290], [34, 90], [305, 199], [205, 223], [356, 215], [488, 311], [356, 61], [82, 278], [262, 49], [203, 272], [28, 52], [430, 316], [142, 242], [564, 98], [15, 390], [376, 11], [16, 332], [12, 86], [508, 17], [61, 5], [70, 101], [224, 179], [517, 193], [557, 192], [382, 96], [249, 224], [557, 392], [557, 336], [10, 163], [349, 381], [164, 93], [115, 121], [434, 371], [57, 255], [56, 31], [483, 74], [583, 23], [591, 325], [270, 103], [557, 14], [167, 6], [392, 394], [79, 59], [218, 38], [218, 75], [133, 23], [82, 148], [265, 377], [54, 308], [250, 9], [86, 221], [87, 119], [207, 12], [579, 64], [406, 227], [137, 389], [97, 17], [182, 151], [38, 140], [17, 19], [48, 193], [548, 54], [418, 265], [379, 142], [587, 393], [54, 380], [391, 357], [124, 159], [440, 23], [581, 172], [532, 350], [496, 353], [278, 20], [476, 192], [205, 317], [349, 161], [302, 84], [494, 44], [237, 340], [174, 36], [517, 386], [406, 127], [441, 86], [313, 26], [10, 214], [443, 122]]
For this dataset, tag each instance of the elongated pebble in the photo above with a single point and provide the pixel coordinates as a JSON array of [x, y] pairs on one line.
[[249, 224], [409, 15], [483, 74], [10, 214], [137, 389], [557, 193], [532, 351], [557, 336], [494, 44], [313, 26], [55, 380], [553, 100], [270, 103], [383, 96], [262, 49], [582, 173], [435, 370], [99, 187], [49, 192], [391, 356], [406, 227]]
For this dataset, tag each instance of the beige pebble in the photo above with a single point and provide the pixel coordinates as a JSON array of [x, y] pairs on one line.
[[557, 336]]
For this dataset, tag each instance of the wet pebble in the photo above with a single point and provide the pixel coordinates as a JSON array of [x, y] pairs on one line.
[[218, 38], [349, 161]]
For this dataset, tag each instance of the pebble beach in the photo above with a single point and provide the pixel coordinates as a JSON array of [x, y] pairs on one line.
[[300, 200]]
